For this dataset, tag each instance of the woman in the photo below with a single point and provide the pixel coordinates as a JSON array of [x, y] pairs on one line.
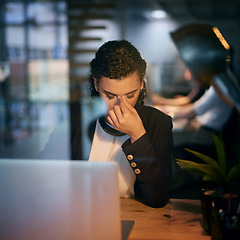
[[137, 137]]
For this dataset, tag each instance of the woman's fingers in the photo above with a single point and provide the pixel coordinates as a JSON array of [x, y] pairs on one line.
[[123, 116], [113, 118], [110, 120]]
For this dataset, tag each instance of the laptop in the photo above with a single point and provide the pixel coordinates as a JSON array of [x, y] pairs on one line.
[[59, 200]]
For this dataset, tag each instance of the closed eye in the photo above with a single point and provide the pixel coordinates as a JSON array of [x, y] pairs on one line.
[[110, 97], [130, 96]]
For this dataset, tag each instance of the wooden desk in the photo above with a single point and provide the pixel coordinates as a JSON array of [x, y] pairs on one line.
[[180, 219]]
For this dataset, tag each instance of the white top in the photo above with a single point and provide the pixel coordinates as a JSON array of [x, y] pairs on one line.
[[105, 148], [211, 110]]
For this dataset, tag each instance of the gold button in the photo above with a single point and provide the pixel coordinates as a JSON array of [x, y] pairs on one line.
[[137, 171], [133, 164], [130, 157]]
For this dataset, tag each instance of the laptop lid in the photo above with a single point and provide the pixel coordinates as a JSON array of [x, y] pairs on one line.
[[47, 199]]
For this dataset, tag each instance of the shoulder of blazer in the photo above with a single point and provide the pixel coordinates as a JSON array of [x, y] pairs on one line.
[[148, 113]]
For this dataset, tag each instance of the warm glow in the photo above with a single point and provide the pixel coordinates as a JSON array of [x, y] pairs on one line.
[[221, 38]]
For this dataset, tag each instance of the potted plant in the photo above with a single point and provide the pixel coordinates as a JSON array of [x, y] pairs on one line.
[[223, 191]]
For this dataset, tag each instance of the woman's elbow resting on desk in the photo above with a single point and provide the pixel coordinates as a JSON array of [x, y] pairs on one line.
[[154, 199]]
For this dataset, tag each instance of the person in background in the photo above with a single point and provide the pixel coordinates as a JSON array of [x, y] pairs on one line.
[[137, 137], [179, 100], [207, 116]]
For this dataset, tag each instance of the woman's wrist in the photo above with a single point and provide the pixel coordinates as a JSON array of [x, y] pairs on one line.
[[137, 135]]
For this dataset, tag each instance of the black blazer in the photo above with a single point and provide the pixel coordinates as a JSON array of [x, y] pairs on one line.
[[150, 157]]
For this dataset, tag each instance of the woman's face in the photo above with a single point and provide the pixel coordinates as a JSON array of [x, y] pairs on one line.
[[110, 89]]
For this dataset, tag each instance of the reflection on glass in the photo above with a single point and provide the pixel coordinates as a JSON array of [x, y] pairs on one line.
[[14, 13], [4, 71], [15, 42], [41, 12], [17, 80], [34, 87], [48, 80], [62, 8], [42, 39]]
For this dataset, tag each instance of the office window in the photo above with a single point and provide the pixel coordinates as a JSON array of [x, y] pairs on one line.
[[34, 36], [14, 13], [41, 13], [61, 10], [42, 40], [15, 40]]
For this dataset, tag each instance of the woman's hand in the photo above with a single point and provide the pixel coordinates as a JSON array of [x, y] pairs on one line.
[[124, 118]]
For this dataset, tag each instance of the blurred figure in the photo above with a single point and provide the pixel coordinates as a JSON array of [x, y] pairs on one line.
[[179, 100], [207, 55], [207, 116]]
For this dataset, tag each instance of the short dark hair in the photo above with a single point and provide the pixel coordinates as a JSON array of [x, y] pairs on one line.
[[117, 60]]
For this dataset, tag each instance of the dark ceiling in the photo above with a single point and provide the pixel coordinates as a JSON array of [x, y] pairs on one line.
[[226, 10]]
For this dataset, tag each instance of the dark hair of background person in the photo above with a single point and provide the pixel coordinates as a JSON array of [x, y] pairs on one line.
[[118, 60]]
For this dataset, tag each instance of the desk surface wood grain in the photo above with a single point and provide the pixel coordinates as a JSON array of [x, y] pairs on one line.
[[180, 219]]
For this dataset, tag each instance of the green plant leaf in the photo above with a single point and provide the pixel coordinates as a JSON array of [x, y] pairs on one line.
[[206, 159], [201, 168], [233, 173], [220, 148], [191, 166]]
